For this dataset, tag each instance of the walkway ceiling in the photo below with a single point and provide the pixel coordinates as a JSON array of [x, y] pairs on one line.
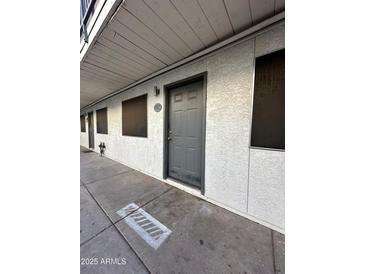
[[145, 36]]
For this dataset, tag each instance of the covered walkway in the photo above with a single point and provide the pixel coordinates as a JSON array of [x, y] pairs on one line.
[[193, 236]]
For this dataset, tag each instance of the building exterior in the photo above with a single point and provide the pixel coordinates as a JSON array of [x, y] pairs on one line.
[[191, 93]]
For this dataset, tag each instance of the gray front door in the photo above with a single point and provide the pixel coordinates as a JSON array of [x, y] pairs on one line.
[[185, 133], [90, 123]]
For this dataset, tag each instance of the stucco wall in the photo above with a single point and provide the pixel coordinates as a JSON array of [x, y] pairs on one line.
[[266, 186], [231, 178], [267, 168], [228, 119]]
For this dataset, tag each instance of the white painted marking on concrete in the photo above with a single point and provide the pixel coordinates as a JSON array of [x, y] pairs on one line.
[[127, 210], [152, 231]]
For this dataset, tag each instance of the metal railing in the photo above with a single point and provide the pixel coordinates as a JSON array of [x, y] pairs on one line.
[[86, 11]]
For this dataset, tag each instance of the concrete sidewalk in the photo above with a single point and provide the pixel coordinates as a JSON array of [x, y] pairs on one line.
[[204, 238]]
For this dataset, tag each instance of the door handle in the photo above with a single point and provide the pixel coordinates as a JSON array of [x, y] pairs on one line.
[[169, 138]]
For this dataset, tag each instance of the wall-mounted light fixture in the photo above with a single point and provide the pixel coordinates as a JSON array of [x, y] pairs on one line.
[[157, 91]]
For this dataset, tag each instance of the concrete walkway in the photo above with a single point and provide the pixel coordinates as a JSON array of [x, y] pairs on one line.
[[204, 238]]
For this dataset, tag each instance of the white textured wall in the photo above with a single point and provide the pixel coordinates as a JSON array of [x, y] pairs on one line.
[[228, 120], [266, 199], [228, 117]]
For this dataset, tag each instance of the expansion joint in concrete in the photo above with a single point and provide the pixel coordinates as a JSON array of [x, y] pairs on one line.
[[120, 233], [107, 177]]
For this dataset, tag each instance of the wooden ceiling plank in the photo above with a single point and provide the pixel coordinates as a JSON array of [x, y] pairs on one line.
[[217, 17], [103, 73], [116, 38], [91, 89], [111, 66], [136, 63], [122, 30], [99, 92], [139, 9], [96, 78], [195, 17], [134, 24], [170, 15], [262, 9], [279, 6], [239, 13], [95, 91], [107, 59]]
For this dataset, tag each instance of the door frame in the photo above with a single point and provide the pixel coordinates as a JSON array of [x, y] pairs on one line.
[[93, 127], [166, 88]]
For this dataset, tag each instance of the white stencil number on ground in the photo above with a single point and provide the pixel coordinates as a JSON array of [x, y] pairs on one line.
[[147, 227]]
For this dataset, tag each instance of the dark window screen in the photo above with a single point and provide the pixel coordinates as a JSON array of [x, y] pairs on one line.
[[268, 117], [134, 116], [102, 121], [82, 121]]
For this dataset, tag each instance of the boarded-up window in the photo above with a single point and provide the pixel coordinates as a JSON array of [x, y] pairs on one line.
[[102, 121], [82, 122], [134, 116], [268, 117]]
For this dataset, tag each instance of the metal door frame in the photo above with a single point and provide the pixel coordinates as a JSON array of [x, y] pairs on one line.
[[88, 128], [166, 88]]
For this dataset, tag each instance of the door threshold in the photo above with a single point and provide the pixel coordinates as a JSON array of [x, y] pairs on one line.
[[183, 186]]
